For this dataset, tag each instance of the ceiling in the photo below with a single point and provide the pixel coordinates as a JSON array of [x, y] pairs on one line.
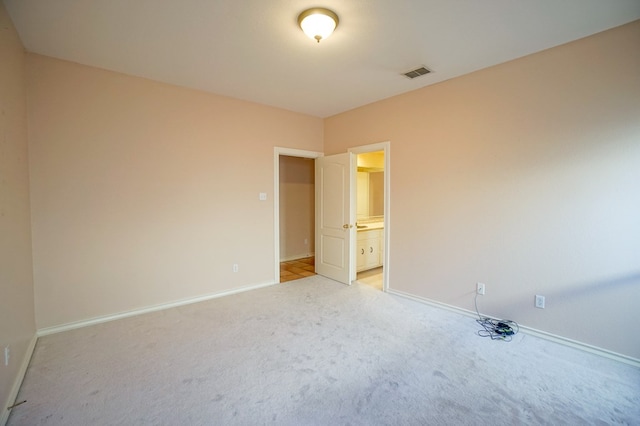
[[254, 50]]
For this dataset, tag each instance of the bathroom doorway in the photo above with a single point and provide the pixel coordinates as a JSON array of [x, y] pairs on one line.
[[372, 215]]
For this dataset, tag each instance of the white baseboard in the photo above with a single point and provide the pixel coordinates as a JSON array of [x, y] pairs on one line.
[[13, 394], [528, 330], [296, 257], [97, 320]]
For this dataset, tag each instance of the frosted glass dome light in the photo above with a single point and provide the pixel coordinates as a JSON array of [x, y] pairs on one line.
[[318, 23]]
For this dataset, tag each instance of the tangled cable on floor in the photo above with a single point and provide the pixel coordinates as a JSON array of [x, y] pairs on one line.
[[494, 328]]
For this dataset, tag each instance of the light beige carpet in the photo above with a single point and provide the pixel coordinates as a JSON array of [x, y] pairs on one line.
[[316, 352]]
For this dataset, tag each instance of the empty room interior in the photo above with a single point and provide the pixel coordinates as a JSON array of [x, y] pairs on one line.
[[426, 164]]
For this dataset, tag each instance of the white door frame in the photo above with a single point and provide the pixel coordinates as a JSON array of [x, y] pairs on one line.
[[386, 147], [277, 152]]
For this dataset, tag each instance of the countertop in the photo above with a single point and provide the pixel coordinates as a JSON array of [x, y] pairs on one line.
[[365, 226]]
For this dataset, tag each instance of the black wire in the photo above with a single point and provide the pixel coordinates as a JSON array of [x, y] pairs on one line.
[[494, 328]]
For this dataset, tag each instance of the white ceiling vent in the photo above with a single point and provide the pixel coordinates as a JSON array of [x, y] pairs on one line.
[[417, 72]]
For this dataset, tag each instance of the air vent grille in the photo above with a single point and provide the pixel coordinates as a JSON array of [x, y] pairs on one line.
[[417, 72]]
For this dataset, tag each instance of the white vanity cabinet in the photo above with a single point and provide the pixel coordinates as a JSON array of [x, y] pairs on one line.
[[370, 249]]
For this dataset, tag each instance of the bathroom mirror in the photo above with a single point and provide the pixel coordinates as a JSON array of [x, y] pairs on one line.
[[370, 194]]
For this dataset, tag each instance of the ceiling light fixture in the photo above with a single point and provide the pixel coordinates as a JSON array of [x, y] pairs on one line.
[[318, 23]]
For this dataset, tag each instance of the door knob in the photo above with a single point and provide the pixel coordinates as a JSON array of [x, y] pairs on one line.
[[347, 226]]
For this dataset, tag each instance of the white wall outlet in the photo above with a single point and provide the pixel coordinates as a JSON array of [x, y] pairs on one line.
[[306, 241], [235, 267], [7, 353], [262, 196], [480, 288], [539, 301]]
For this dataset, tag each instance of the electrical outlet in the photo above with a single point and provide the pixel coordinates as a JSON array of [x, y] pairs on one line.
[[539, 301], [480, 288], [6, 355], [235, 267]]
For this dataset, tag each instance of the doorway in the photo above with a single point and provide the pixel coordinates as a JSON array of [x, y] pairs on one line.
[[296, 219], [384, 147], [373, 215], [294, 214], [370, 218]]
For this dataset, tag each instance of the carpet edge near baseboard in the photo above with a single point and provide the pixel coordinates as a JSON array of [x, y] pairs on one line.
[[13, 394], [635, 362], [528, 330], [145, 310]]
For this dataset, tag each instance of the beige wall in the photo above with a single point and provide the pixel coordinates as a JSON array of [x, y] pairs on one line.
[[524, 176], [17, 324], [297, 207], [145, 193]]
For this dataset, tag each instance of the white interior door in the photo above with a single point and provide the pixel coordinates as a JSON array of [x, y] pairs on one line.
[[335, 217]]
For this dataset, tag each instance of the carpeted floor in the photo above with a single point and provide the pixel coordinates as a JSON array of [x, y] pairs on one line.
[[316, 352]]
